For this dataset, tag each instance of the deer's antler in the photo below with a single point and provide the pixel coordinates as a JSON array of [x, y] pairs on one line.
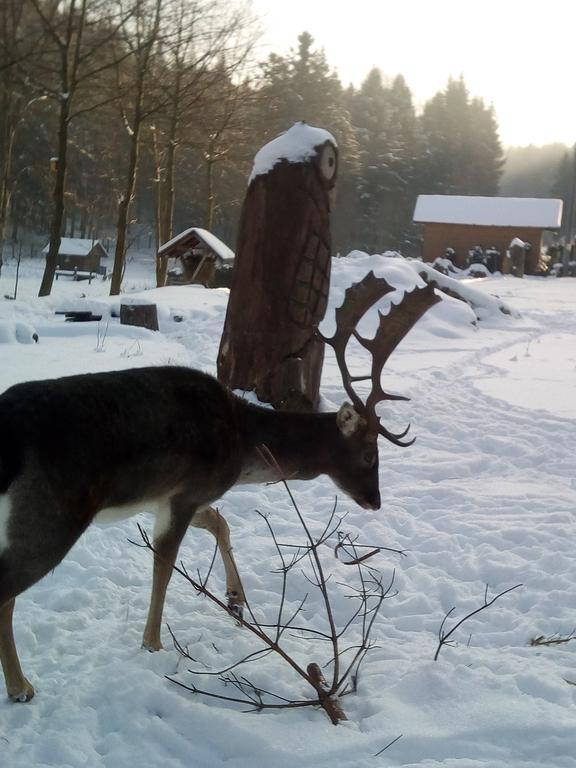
[[391, 330]]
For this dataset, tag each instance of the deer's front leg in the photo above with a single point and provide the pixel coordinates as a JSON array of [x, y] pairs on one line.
[[169, 531], [17, 686], [211, 520]]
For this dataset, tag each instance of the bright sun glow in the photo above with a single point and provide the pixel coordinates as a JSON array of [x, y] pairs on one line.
[[516, 54]]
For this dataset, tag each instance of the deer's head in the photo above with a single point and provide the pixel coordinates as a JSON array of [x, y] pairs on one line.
[[359, 426]]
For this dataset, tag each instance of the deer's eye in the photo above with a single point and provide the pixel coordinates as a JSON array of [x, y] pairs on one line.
[[369, 458]]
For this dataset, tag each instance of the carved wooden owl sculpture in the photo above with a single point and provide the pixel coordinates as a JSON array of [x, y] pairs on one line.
[[282, 271]]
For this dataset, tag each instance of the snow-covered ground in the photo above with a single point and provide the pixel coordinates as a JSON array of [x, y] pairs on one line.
[[486, 496]]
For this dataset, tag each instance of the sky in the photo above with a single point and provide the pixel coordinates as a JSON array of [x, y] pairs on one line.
[[518, 55]]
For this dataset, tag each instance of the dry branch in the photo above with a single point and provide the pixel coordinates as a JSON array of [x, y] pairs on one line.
[[554, 639], [444, 637], [344, 662]]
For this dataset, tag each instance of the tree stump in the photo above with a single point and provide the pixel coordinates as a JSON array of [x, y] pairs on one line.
[[142, 315], [281, 277]]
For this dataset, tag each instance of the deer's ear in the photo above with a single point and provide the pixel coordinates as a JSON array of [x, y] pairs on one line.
[[349, 420]]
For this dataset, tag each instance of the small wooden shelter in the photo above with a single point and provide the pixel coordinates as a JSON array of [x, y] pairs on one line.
[[198, 254], [80, 255], [463, 222]]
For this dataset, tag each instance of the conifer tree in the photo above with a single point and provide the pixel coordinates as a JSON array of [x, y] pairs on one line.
[[384, 121], [460, 152], [301, 86]]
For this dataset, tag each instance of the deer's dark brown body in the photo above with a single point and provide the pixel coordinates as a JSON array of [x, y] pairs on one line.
[[172, 439]]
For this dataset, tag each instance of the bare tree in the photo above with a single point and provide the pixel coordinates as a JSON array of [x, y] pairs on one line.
[[141, 38], [223, 128], [212, 43], [75, 51], [15, 48], [10, 14]]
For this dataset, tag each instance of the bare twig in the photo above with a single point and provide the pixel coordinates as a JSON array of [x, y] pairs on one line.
[[203, 590], [315, 562], [553, 639], [369, 594], [389, 745], [345, 541], [444, 637]]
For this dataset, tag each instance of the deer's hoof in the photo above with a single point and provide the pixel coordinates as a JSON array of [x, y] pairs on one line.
[[152, 647], [26, 693], [235, 608]]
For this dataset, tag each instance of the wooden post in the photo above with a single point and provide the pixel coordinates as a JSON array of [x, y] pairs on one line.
[[517, 257], [142, 315], [282, 272]]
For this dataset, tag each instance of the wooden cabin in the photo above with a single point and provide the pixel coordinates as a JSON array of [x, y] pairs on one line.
[[77, 254], [463, 222], [194, 256]]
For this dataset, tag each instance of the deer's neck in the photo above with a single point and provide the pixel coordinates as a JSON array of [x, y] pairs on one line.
[[300, 443]]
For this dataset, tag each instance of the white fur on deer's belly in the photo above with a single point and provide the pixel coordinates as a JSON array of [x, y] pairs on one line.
[[5, 507], [160, 508]]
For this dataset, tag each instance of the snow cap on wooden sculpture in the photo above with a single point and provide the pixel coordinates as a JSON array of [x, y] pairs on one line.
[[295, 145]]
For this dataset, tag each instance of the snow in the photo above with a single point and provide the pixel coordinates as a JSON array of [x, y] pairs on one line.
[[489, 211], [486, 495], [295, 145], [74, 246], [213, 242]]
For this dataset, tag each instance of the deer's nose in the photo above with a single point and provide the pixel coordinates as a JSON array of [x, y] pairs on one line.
[[373, 503]]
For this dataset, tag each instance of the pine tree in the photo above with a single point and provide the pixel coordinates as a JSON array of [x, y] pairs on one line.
[[460, 152], [301, 86], [384, 122]]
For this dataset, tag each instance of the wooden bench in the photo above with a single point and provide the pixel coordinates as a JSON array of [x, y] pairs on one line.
[[79, 316], [80, 274]]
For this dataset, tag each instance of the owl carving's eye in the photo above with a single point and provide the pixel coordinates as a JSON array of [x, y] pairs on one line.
[[328, 163]]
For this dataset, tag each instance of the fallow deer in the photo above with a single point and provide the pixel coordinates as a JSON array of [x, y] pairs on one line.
[[106, 445]]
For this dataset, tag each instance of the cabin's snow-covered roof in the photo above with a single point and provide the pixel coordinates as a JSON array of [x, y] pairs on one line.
[[75, 246], [489, 211], [295, 145], [213, 242]]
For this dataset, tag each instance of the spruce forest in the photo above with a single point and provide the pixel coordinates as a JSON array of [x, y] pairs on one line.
[[131, 120]]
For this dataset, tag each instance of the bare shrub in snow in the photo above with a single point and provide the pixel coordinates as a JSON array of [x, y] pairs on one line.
[[345, 655]]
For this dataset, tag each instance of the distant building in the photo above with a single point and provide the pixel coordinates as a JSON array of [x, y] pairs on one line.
[[197, 254], [462, 222], [81, 254]]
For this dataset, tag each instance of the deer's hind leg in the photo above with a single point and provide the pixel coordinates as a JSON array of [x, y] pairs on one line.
[[31, 545], [211, 520], [17, 685], [171, 525], [16, 575]]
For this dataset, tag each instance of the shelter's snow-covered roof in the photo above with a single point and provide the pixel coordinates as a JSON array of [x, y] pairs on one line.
[[213, 242], [294, 145], [489, 211], [75, 246]]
